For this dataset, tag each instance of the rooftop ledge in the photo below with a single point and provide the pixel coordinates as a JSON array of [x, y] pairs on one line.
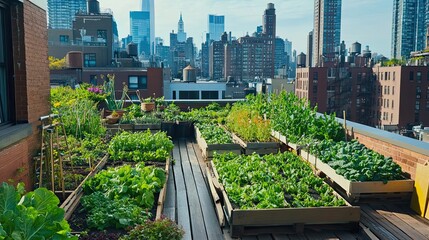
[[14, 134], [385, 136]]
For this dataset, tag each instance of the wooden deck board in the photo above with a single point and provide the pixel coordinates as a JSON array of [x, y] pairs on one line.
[[404, 226], [411, 218], [196, 215], [375, 227], [170, 199], [209, 214], [183, 218]]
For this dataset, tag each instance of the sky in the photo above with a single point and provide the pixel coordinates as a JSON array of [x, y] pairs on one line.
[[366, 21]]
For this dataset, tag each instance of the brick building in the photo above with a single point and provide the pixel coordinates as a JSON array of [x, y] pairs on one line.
[[24, 81], [401, 96]]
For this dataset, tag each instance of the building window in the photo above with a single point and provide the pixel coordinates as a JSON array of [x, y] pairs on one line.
[[174, 94], [6, 84], [419, 76], [93, 79], [137, 82], [102, 36], [394, 76], [393, 90], [90, 60], [209, 95], [393, 104], [427, 105], [418, 92], [417, 105], [64, 38], [411, 76], [189, 95]]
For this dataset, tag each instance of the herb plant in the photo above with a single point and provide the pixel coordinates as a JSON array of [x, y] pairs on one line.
[[272, 181]]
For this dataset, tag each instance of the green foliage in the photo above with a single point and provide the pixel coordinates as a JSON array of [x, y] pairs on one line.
[[295, 119], [109, 89], [213, 113], [356, 162], [272, 181], [78, 111], [139, 183], [163, 229], [104, 212], [56, 63], [394, 62], [35, 215], [171, 113], [140, 146], [245, 120], [213, 134]]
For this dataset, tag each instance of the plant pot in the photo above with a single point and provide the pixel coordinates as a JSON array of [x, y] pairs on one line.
[[148, 106], [168, 128], [120, 112], [112, 120]]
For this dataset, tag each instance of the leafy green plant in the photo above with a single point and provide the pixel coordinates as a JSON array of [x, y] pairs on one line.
[[171, 113], [213, 113], [214, 134], [356, 162], [35, 215], [272, 181], [109, 89], [139, 183], [294, 118], [163, 229], [140, 146]]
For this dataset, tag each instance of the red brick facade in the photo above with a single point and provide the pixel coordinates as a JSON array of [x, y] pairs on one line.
[[30, 57]]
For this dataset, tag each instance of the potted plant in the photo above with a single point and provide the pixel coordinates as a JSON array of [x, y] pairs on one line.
[[111, 101], [147, 104], [113, 118]]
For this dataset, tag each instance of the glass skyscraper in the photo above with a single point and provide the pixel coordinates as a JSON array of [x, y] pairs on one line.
[[149, 6], [327, 30], [140, 31], [216, 26], [409, 27], [61, 13]]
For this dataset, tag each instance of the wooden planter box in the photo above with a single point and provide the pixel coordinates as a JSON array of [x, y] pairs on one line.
[[284, 220], [284, 140], [72, 201], [144, 127], [257, 147], [208, 150], [398, 190]]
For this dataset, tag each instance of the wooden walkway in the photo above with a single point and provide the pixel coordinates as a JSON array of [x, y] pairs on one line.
[[189, 203]]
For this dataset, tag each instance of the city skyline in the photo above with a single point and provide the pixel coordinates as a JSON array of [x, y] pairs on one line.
[[367, 21]]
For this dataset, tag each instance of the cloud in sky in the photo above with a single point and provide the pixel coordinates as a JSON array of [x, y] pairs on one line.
[[365, 21]]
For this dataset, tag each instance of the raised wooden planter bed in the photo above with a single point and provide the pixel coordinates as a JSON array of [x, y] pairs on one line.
[[144, 127], [134, 127], [257, 147], [284, 140], [283, 220], [72, 201], [208, 150], [397, 190]]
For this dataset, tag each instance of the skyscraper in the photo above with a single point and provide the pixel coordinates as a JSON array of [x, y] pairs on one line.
[[140, 31], [216, 26], [62, 12], [327, 30], [181, 35], [309, 57], [149, 6], [288, 49], [409, 27]]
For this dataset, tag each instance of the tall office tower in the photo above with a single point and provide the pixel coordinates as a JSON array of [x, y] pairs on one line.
[[62, 12], [181, 35], [288, 49], [280, 54], [140, 31], [217, 58], [269, 32], [409, 27], [216, 26], [233, 61], [149, 6], [327, 30], [309, 57], [205, 57]]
